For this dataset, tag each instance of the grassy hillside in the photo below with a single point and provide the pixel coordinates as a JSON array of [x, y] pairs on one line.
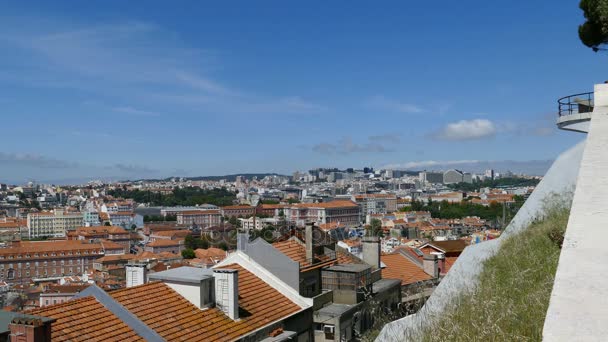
[[514, 288]]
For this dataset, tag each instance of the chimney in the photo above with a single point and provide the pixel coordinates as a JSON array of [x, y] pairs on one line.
[[430, 265], [309, 244], [30, 329], [136, 274], [441, 265], [227, 292], [371, 251], [242, 240]]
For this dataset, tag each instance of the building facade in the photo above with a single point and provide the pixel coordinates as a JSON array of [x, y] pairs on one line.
[[53, 224], [200, 218], [340, 211], [27, 260]]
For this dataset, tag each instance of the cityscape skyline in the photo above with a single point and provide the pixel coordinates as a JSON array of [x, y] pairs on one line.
[[180, 92]]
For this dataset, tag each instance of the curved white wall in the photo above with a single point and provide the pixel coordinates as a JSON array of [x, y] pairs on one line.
[[578, 310], [560, 179]]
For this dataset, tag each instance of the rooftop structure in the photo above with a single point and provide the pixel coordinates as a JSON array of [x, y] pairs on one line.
[[574, 112]]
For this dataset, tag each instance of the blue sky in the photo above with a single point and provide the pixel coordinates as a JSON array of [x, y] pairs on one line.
[[154, 89]]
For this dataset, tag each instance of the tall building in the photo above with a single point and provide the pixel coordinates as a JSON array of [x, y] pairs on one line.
[[53, 224], [426, 177], [456, 176], [489, 174], [375, 204]]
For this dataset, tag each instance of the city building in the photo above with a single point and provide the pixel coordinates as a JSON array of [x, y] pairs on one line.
[[13, 229], [200, 218], [160, 246], [375, 204], [56, 294], [27, 260], [456, 176], [238, 211], [339, 211], [427, 177], [53, 224], [114, 234]]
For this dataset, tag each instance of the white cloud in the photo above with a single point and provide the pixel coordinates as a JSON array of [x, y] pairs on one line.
[[138, 61], [134, 111], [384, 103], [467, 130]]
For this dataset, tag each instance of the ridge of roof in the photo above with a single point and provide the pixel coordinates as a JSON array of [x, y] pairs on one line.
[[121, 312]]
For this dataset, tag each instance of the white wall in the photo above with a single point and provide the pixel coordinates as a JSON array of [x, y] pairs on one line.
[[561, 178]]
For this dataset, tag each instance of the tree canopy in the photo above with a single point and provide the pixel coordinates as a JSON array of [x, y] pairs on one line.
[[185, 196], [594, 31]]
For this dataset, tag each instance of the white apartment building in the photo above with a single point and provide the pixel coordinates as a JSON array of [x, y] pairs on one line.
[[258, 223], [53, 224]]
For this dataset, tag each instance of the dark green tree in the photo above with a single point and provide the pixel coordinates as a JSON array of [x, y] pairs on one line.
[[188, 253], [223, 245], [594, 31], [375, 228]]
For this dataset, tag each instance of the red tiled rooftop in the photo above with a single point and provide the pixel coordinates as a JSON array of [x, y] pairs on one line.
[[176, 319], [85, 319], [400, 267]]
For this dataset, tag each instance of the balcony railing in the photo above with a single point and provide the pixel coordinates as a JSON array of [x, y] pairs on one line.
[[575, 104]]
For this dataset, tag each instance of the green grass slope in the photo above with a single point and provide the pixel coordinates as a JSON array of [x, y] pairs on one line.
[[512, 297]]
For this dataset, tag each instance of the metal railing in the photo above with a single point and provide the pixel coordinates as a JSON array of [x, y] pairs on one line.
[[575, 104]]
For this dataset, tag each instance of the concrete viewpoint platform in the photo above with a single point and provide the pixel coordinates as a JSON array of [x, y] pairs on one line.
[[578, 310]]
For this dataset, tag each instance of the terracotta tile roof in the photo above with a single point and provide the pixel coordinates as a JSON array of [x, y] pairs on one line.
[[165, 243], [13, 224], [330, 226], [449, 262], [112, 258], [293, 249], [232, 207], [210, 256], [297, 252], [176, 319], [85, 319], [100, 230], [400, 267], [107, 244], [344, 257], [169, 233], [49, 246]]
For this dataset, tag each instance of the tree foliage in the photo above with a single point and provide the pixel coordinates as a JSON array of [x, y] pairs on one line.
[[594, 31], [375, 228], [188, 253], [447, 210], [193, 243], [189, 196], [494, 183]]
